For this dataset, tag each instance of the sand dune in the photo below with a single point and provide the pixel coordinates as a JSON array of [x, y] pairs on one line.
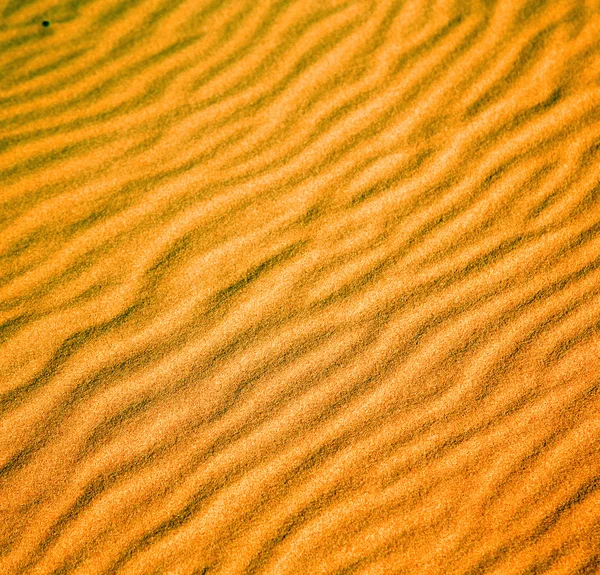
[[299, 287]]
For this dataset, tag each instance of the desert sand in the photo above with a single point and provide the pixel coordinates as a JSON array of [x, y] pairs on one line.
[[299, 287]]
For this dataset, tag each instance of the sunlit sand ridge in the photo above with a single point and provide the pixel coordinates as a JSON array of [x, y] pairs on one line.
[[299, 287]]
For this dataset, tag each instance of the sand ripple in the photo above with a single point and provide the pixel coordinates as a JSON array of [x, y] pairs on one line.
[[299, 287]]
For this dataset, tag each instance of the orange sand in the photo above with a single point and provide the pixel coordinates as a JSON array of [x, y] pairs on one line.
[[299, 287]]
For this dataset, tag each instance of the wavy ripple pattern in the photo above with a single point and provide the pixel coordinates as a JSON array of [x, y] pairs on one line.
[[296, 286]]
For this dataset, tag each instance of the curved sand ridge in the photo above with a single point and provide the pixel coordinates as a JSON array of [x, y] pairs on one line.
[[299, 287]]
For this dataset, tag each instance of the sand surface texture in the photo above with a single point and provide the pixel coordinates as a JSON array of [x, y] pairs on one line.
[[299, 287]]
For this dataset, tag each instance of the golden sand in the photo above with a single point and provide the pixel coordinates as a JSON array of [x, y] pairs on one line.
[[299, 287]]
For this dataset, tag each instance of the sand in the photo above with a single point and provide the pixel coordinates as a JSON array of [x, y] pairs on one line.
[[299, 287]]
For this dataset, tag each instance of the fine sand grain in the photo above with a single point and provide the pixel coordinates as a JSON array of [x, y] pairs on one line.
[[299, 287]]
